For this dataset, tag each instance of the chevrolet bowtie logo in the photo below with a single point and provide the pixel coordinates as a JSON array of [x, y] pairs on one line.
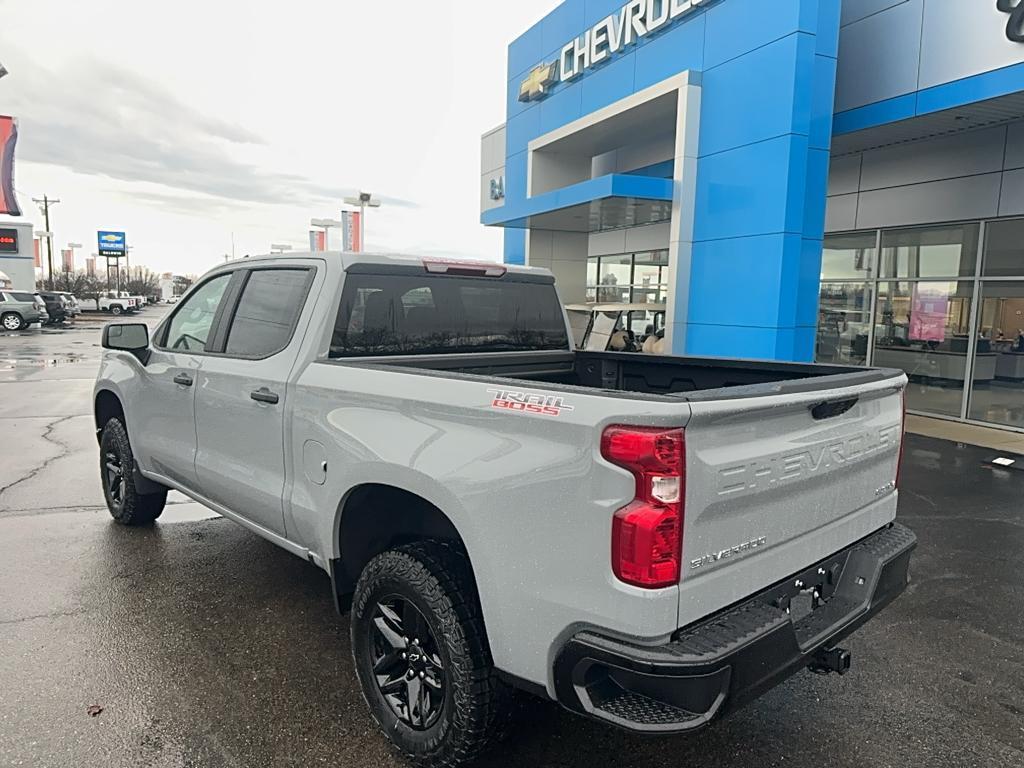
[[538, 82]]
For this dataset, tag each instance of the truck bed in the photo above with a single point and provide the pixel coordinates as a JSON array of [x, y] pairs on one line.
[[692, 378]]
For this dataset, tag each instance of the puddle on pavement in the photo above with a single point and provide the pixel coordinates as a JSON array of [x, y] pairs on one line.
[[9, 364]]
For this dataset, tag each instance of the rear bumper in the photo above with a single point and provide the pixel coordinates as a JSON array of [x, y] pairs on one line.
[[718, 664]]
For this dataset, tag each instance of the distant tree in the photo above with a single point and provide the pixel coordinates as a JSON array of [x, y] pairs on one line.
[[80, 283], [142, 281]]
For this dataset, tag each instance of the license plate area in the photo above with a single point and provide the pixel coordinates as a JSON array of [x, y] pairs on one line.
[[809, 590]]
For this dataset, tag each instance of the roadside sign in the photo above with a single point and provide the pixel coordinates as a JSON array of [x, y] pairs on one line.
[[8, 241], [111, 243]]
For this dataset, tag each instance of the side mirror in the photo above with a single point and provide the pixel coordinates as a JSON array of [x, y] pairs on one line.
[[128, 337]]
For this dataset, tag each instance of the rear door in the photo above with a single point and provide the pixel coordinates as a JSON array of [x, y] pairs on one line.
[[779, 482], [163, 415], [240, 409]]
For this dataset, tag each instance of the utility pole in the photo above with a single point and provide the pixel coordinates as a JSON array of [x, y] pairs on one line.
[[44, 206]]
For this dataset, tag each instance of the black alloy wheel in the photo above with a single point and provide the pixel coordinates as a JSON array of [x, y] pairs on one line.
[[113, 479], [407, 663]]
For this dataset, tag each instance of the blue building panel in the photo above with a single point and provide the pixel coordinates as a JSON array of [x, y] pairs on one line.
[[823, 92], [768, 74], [515, 246], [676, 50], [737, 27], [751, 190], [758, 269], [772, 104], [609, 83], [560, 109]]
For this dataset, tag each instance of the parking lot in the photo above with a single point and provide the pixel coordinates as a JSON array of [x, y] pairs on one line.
[[207, 646]]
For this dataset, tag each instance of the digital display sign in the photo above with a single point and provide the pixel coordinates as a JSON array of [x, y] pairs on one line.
[[8, 241]]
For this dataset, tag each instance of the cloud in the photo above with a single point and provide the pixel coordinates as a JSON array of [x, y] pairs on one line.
[[104, 120]]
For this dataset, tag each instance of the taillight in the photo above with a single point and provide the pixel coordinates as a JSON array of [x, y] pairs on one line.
[[647, 534], [903, 437]]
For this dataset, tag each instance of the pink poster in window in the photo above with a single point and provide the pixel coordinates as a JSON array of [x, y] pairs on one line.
[[928, 314]]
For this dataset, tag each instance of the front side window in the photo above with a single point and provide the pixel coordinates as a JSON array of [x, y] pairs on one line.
[[267, 312], [402, 315], [190, 327]]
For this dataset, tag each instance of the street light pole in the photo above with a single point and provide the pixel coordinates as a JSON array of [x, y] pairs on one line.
[[44, 206]]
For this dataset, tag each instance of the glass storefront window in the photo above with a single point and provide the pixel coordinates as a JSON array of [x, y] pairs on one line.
[[950, 251], [1004, 249], [848, 256], [997, 392], [640, 278], [924, 329], [844, 318], [650, 277], [615, 278]]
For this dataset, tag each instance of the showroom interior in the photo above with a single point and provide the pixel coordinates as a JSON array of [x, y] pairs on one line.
[[823, 180]]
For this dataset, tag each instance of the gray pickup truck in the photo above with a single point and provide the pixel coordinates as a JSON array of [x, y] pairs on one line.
[[649, 541]]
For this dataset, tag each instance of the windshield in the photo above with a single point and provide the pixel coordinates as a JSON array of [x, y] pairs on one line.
[[431, 314]]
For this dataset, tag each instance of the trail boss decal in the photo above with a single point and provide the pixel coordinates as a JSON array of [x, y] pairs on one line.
[[528, 402]]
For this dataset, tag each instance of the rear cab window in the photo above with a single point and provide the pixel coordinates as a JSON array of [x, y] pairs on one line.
[[268, 311], [429, 314]]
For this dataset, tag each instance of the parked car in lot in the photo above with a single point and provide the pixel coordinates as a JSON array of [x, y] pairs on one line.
[[19, 309], [60, 305], [651, 541]]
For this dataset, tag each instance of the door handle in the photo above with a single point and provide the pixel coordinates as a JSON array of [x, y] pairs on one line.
[[184, 380], [264, 395]]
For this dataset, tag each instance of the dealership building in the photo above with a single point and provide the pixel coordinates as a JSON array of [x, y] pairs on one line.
[[798, 180]]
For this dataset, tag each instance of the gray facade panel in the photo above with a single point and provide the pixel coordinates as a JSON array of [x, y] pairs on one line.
[[878, 56], [966, 154], [855, 10], [844, 175], [1015, 147], [841, 213], [960, 39], [1012, 201], [973, 197]]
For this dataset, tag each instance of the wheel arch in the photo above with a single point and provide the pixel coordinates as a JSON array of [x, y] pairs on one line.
[[107, 405], [374, 517]]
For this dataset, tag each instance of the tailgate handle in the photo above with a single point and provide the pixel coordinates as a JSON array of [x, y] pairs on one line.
[[835, 408]]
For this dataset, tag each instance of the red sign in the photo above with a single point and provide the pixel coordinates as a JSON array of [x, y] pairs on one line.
[[8, 139], [68, 256]]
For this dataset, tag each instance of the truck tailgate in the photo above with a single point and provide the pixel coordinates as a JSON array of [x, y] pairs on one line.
[[777, 482]]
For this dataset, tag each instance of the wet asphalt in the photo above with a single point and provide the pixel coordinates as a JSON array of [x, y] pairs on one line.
[[206, 646]]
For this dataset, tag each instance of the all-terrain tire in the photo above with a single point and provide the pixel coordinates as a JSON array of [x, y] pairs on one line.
[[436, 579], [117, 474]]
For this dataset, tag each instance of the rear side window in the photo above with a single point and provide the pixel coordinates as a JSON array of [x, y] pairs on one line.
[[24, 297], [443, 314], [267, 312]]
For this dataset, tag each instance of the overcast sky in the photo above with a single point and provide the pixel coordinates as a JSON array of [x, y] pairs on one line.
[[184, 123]]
